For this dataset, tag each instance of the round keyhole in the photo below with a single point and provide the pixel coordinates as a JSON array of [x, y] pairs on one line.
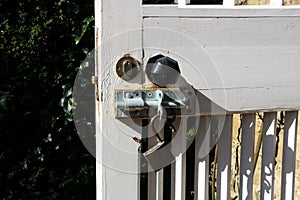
[[127, 67]]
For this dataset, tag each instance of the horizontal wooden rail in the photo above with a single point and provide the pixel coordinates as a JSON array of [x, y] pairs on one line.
[[213, 11], [236, 57], [228, 2]]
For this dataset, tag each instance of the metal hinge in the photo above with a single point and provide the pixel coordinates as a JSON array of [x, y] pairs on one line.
[[94, 80]]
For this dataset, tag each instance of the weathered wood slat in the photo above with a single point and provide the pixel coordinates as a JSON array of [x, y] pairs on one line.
[[151, 185], [289, 155], [159, 185], [153, 180], [268, 156], [173, 174], [203, 182], [246, 160], [202, 163], [156, 181], [99, 181], [180, 177], [180, 165], [173, 180], [224, 160]]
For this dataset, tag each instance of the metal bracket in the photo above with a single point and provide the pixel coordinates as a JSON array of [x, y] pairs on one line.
[[144, 103]]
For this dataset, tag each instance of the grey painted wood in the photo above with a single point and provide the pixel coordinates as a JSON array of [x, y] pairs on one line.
[[246, 159], [224, 160], [214, 11], [152, 175], [289, 155], [180, 164], [241, 59], [159, 185], [268, 156], [202, 167], [173, 180], [118, 32], [241, 64], [152, 185]]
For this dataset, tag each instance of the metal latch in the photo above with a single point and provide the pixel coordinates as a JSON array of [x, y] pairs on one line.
[[160, 105], [144, 103]]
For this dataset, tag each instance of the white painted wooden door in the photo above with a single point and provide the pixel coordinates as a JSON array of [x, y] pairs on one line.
[[239, 59]]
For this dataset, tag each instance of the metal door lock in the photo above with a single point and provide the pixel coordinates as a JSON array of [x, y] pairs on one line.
[[145, 103], [127, 67], [159, 105], [156, 104]]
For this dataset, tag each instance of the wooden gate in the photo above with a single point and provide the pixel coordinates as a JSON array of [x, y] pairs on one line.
[[240, 59]]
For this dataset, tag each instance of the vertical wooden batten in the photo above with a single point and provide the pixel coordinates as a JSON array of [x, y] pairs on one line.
[[180, 164], [118, 31], [202, 163], [247, 151], [289, 155], [268, 156], [224, 160]]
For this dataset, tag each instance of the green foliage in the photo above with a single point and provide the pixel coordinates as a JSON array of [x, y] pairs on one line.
[[41, 46], [191, 133], [84, 28]]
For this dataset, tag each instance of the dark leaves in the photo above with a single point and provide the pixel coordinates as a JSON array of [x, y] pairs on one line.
[[41, 155]]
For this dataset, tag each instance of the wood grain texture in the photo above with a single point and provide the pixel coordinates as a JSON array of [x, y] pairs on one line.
[[268, 156], [218, 11], [289, 155], [180, 164], [118, 32], [242, 59], [241, 64], [247, 151], [224, 160], [202, 167]]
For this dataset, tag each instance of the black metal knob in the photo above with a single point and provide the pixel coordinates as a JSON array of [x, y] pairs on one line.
[[164, 71]]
